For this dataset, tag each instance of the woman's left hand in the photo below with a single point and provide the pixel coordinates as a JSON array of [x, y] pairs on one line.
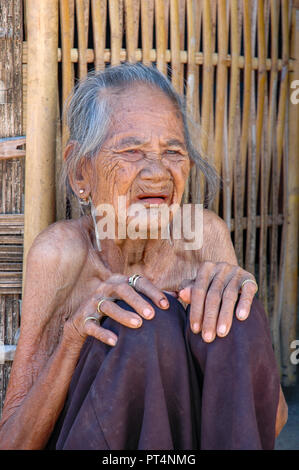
[[213, 296]]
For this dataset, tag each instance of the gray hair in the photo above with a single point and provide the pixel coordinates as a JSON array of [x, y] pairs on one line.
[[89, 110]]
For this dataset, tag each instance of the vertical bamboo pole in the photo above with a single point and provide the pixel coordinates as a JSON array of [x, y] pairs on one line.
[[130, 30], [67, 83], [82, 10], [221, 90], [289, 310], [260, 152], [161, 38], [235, 170], [207, 93], [238, 161], [99, 13], [211, 133], [41, 127], [272, 154], [116, 25], [252, 178], [147, 19], [246, 104], [195, 182], [182, 20], [175, 45], [284, 82]]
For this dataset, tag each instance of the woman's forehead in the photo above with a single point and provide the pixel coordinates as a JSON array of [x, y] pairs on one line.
[[145, 113], [143, 98]]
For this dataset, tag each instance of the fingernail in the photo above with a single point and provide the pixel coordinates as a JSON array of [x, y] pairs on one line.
[[164, 303], [208, 336], [112, 341], [222, 329], [195, 327], [147, 313], [242, 314], [135, 322]]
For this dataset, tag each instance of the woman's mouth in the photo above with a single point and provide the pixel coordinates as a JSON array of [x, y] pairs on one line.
[[153, 199]]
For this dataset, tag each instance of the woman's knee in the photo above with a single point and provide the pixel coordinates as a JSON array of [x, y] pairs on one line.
[[245, 340]]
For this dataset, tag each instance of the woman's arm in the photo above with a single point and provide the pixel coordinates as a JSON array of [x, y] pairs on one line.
[[44, 363], [31, 419]]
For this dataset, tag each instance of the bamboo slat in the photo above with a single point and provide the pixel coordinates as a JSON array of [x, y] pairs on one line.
[[211, 133], [260, 161], [195, 186], [207, 91], [131, 9], [221, 90], [82, 12], [284, 85], [199, 57], [147, 21], [66, 17], [235, 164], [99, 18], [175, 45], [252, 176], [42, 107], [246, 98], [161, 44], [272, 154], [116, 25]]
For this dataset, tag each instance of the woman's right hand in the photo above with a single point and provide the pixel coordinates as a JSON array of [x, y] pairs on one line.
[[77, 328]]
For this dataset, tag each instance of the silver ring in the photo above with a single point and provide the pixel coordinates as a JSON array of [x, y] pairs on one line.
[[133, 279], [99, 305], [91, 318], [249, 280]]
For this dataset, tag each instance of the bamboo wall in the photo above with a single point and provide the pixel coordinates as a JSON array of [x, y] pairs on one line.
[[234, 60]]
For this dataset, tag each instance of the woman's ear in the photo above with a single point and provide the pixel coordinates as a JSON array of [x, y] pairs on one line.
[[192, 163], [71, 146], [78, 176]]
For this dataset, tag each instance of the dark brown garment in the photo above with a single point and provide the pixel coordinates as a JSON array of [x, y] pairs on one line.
[[162, 388]]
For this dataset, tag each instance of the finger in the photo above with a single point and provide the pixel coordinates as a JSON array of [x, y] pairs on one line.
[[125, 317], [136, 301], [92, 328], [229, 299], [198, 296], [211, 309], [156, 295], [185, 293], [245, 301]]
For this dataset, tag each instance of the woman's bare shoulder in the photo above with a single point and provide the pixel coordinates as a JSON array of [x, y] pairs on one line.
[[61, 248], [62, 243], [217, 242]]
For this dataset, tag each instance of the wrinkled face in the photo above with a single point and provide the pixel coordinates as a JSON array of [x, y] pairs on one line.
[[144, 157]]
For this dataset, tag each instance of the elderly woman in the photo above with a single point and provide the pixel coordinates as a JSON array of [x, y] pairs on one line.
[[136, 342]]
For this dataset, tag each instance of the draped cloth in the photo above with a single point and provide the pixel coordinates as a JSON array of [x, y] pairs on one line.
[[162, 387]]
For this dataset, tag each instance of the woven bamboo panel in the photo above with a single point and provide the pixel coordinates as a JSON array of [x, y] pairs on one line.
[[232, 60]]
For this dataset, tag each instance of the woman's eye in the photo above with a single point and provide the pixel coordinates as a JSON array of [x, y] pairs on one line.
[[171, 152]]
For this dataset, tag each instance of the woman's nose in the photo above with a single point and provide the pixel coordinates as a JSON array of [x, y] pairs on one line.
[[155, 170]]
